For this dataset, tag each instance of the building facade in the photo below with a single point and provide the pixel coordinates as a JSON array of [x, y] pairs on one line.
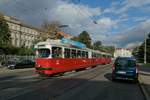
[[21, 35], [120, 52]]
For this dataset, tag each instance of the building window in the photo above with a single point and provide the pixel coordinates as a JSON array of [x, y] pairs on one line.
[[12, 26]]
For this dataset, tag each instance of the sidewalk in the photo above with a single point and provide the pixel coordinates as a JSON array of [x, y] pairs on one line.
[[144, 80]]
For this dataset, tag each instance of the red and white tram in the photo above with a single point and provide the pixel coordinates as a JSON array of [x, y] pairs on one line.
[[56, 57]]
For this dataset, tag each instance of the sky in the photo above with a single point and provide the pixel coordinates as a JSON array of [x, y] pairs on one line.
[[122, 23]]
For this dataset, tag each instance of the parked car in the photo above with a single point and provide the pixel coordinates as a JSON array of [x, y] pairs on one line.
[[125, 68], [9, 61], [21, 64]]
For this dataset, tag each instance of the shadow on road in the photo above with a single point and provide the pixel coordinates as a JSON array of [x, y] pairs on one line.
[[55, 88], [81, 89], [109, 77], [7, 78]]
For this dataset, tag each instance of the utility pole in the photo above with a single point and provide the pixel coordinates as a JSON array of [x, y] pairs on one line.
[[145, 50]]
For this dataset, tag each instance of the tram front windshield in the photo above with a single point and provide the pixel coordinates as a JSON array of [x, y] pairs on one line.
[[43, 53]]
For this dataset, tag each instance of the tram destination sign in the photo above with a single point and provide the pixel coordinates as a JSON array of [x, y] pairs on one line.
[[74, 43]]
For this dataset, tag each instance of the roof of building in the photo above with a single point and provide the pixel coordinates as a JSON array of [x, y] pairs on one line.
[[64, 35], [17, 21]]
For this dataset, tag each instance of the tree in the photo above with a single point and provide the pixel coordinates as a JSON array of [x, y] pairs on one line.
[[138, 52], [149, 35], [5, 37], [108, 49], [85, 38], [98, 43], [51, 30], [135, 52]]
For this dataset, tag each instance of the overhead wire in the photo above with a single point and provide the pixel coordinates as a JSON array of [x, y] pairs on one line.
[[82, 12]]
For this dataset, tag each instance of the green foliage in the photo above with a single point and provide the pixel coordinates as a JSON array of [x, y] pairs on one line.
[[11, 50], [25, 51], [5, 37], [109, 49], [138, 52], [135, 52], [97, 43], [83, 37]]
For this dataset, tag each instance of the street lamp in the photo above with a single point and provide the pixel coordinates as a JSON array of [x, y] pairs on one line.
[[61, 26], [145, 50]]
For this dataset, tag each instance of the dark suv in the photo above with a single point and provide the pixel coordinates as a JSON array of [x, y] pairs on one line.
[[125, 68]]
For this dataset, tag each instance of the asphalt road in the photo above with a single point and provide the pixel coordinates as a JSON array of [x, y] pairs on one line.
[[91, 84]]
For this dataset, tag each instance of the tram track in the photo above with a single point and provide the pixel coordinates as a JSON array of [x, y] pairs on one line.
[[61, 81], [38, 79], [80, 80], [64, 84]]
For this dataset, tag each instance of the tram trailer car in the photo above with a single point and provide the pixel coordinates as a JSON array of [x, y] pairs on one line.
[[53, 57]]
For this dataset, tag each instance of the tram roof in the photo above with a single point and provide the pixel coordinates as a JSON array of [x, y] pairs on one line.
[[58, 43]]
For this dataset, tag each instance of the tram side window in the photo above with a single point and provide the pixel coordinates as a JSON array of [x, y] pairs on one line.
[[96, 55], [104, 55], [56, 52], [42, 53], [73, 53], [83, 54], [79, 55], [67, 53], [93, 55], [86, 55], [100, 55]]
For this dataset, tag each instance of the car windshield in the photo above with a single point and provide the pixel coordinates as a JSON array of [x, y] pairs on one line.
[[42, 53], [125, 63]]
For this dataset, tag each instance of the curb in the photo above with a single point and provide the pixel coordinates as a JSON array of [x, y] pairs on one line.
[[146, 96]]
